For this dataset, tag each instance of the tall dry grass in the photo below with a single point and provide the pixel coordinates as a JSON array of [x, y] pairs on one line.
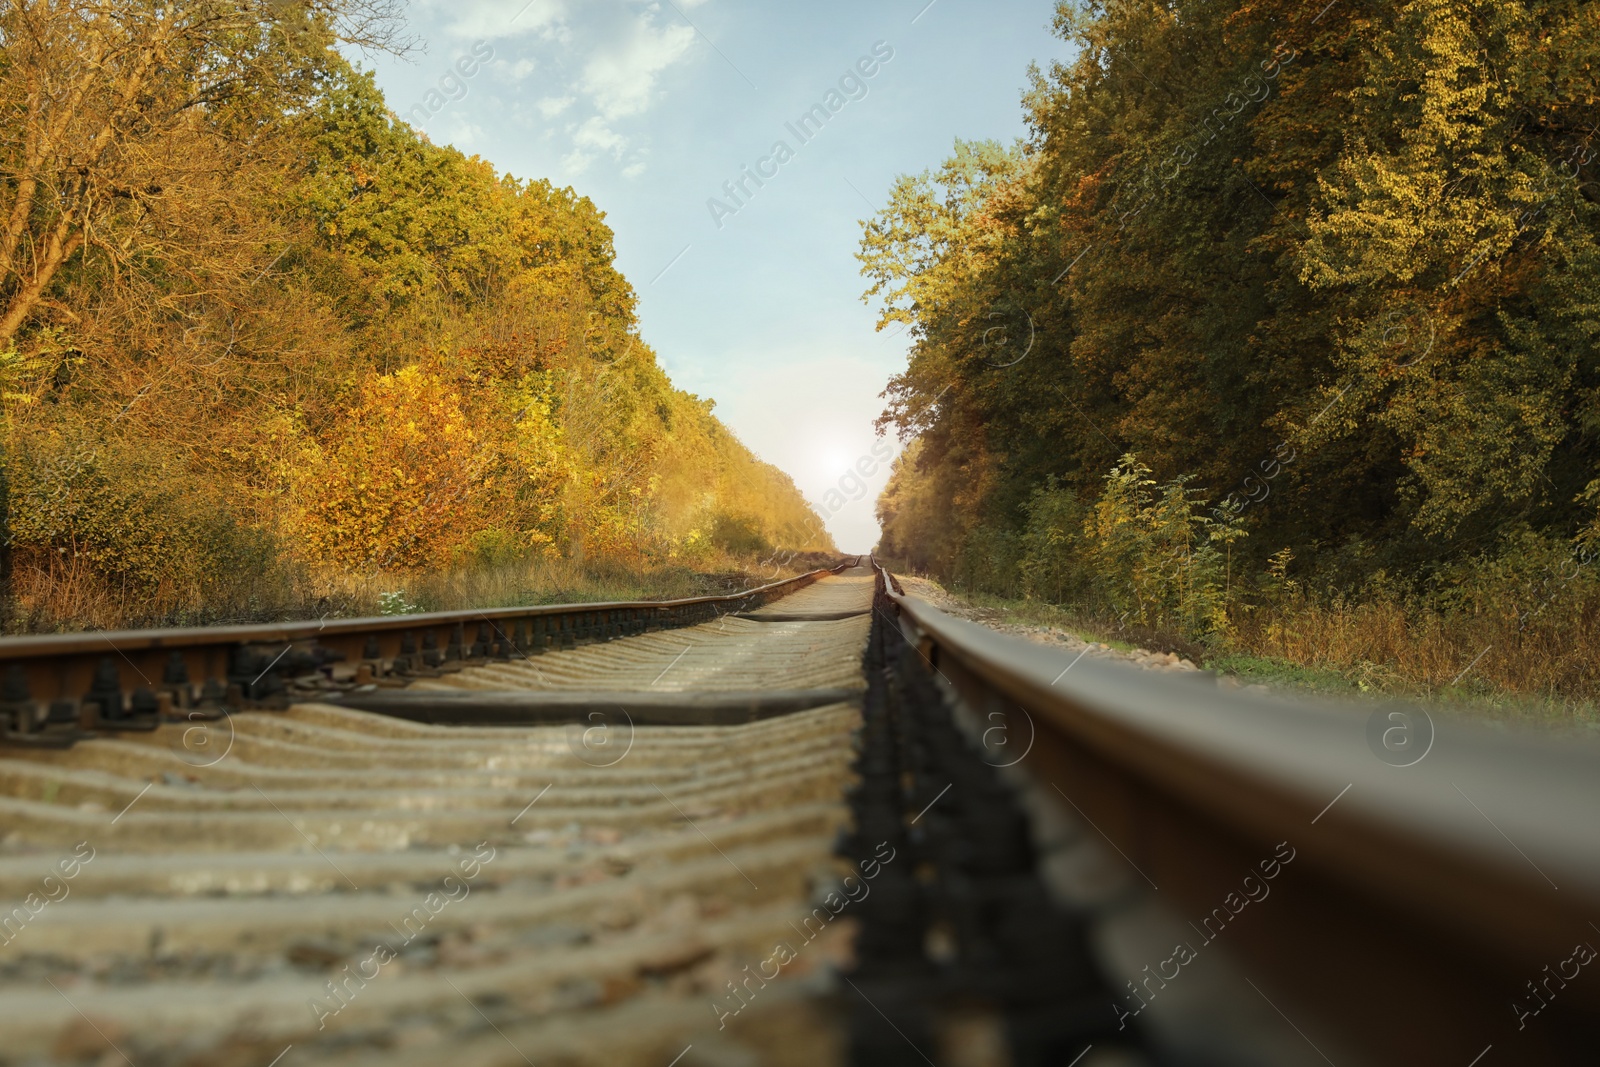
[[1388, 645], [52, 596]]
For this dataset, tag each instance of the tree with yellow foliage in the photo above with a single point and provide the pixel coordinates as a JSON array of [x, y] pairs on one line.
[[399, 481]]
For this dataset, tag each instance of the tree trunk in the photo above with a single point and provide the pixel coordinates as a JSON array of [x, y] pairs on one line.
[[60, 249]]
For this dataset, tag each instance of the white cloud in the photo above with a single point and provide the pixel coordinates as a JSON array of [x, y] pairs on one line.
[[636, 163], [592, 138], [620, 77], [551, 106], [463, 134], [496, 18], [595, 63], [594, 133]]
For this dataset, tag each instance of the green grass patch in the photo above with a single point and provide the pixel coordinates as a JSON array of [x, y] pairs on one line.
[[1263, 670]]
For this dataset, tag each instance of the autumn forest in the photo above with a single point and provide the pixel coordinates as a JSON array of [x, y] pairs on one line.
[[1275, 336], [262, 343]]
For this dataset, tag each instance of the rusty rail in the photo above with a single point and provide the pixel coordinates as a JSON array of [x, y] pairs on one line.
[[58, 688], [1437, 909]]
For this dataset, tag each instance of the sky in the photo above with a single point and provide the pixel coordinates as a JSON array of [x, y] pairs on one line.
[[648, 108]]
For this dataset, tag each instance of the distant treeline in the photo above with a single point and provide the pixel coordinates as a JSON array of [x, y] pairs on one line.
[[1275, 291], [252, 324]]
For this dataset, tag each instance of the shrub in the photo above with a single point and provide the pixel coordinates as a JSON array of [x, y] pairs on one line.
[[1054, 564], [738, 535], [107, 531], [1142, 550]]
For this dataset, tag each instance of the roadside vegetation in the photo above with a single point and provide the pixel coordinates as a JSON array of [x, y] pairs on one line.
[[265, 349], [1357, 678], [1274, 339]]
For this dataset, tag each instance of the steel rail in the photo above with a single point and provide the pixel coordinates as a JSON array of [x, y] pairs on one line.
[[58, 686], [1431, 912]]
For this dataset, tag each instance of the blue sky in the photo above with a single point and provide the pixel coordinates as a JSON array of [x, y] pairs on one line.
[[649, 108]]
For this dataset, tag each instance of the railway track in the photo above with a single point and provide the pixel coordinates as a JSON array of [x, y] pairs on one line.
[[333, 885], [818, 822]]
